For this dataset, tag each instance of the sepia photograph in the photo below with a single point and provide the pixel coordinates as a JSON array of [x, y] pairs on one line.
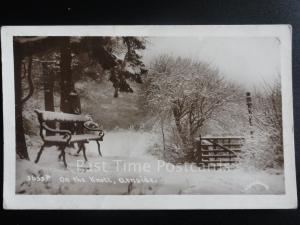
[[200, 113]]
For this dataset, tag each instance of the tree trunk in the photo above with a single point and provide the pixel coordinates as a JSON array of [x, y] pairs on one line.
[[66, 82], [179, 126], [48, 93], [69, 102], [21, 148]]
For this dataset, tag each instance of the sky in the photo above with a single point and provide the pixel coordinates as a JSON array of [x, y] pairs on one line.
[[247, 61]]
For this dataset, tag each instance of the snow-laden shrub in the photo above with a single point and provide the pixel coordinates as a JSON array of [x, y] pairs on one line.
[[29, 127], [261, 152], [267, 143]]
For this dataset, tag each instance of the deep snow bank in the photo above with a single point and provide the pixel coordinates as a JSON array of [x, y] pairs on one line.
[[127, 168]]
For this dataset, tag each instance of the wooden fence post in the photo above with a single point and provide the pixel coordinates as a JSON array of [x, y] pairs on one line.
[[250, 111]]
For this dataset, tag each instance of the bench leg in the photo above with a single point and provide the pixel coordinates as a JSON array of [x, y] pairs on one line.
[[99, 151], [80, 148], [84, 152], [63, 154], [39, 154]]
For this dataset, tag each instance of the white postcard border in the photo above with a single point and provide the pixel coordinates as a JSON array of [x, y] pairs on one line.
[[11, 200]]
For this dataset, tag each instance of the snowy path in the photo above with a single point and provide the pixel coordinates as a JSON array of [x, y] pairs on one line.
[[127, 168]]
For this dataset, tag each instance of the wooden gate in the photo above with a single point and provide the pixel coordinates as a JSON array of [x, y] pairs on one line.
[[218, 152]]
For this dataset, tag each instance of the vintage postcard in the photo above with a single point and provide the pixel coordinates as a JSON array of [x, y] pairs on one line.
[[148, 117]]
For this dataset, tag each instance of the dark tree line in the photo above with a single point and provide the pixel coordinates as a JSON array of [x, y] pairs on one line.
[[101, 50]]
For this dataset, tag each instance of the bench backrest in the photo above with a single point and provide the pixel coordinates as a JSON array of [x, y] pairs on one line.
[[48, 116], [60, 121]]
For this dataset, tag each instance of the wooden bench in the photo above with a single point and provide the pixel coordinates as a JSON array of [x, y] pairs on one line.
[[65, 137]]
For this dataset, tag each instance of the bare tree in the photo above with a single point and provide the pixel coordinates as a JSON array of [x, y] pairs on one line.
[[188, 91]]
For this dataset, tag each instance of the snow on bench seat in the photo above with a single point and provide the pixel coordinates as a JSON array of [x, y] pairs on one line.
[[62, 117], [74, 138]]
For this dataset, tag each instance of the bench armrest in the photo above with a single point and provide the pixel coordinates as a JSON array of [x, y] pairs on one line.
[[67, 133], [94, 127]]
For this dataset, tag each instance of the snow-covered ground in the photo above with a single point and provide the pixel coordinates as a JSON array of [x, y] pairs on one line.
[[127, 168]]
